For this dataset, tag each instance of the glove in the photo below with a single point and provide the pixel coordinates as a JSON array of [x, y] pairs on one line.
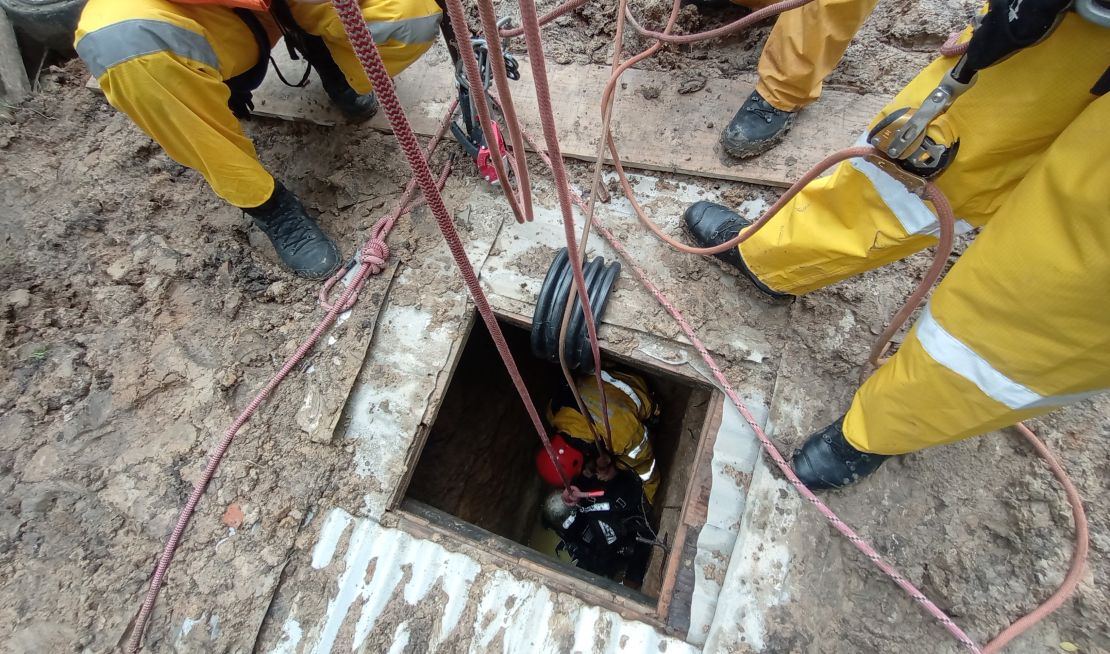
[[1008, 26]]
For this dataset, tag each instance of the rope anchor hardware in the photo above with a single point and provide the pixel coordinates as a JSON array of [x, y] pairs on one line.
[[479, 146]]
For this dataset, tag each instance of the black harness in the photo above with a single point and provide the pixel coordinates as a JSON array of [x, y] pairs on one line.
[[297, 40], [242, 86]]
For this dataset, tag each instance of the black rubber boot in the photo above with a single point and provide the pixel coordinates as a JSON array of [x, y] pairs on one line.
[[826, 460], [355, 106], [756, 128], [298, 240], [711, 224]]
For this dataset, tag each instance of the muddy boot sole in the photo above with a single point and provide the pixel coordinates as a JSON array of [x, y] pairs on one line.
[[753, 148]]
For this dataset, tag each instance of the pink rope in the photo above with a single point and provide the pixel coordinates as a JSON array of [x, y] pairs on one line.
[[217, 455], [363, 44], [375, 251], [952, 46]]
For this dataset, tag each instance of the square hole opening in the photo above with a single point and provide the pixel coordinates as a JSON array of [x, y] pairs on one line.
[[475, 475]]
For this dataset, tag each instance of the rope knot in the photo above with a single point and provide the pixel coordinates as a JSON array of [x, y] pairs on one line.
[[374, 255]]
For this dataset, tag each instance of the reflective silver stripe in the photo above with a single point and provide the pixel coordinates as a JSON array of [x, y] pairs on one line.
[[640, 447], [410, 31], [119, 42], [911, 211], [600, 506], [647, 475], [1069, 398], [625, 388], [949, 352], [610, 535]]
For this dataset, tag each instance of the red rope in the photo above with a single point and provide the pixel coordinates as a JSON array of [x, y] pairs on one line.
[[363, 44], [372, 251], [522, 205], [375, 253]]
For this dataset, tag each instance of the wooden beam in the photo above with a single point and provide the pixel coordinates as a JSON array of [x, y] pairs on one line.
[[695, 505], [659, 125]]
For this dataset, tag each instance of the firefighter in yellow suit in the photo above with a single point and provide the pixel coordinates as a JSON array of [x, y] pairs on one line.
[[1021, 323], [803, 48], [631, 408], [171, 67]]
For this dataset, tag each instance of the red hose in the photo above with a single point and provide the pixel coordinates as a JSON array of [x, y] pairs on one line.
[[1078, 557], [725, 30]]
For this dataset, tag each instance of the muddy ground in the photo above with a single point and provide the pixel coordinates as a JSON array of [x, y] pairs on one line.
[[138, 314]]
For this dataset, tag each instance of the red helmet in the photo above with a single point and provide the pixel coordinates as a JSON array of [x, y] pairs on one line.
[[570, 460]]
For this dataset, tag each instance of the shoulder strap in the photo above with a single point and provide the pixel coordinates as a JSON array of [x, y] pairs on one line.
[[242, 85]]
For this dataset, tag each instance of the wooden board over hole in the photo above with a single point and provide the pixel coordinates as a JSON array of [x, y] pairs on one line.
[[657, 127]]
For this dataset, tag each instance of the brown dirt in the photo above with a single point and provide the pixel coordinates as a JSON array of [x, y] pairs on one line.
[[898, 39], [138, 315], [981, 526]]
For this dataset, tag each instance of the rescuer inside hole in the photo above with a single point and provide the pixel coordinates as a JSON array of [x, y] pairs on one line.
[[608, 533], [184, 70], [1016, 135], [602, 523]]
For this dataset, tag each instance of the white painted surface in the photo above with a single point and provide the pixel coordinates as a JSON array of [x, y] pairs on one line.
[[734, 456], [484, 610], [291, 635], [756, 579], [743, 320], [330, 532]]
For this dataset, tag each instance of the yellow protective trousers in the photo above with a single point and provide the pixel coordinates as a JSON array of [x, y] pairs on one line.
[[630, 405], [164, 65], [804, 47], [1021, 324]]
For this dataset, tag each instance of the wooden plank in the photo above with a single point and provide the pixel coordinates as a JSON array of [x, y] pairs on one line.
[[657, 127], [670, 132], [338, 358], [694, 505], [678, 618], [701, 482]]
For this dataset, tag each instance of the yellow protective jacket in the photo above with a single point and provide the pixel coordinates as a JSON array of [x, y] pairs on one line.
[[165, 64], [630, 406], [1019, 325], [253, 5]]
